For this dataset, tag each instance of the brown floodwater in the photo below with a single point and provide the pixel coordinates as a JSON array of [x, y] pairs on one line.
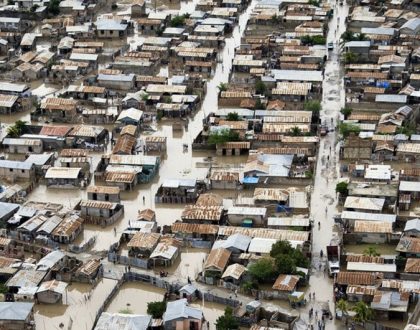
[[76, 310], [133, 297]]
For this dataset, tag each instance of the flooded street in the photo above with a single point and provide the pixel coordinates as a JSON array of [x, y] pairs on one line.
[[77, 312]]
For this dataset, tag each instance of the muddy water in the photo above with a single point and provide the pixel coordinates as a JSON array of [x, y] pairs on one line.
[[134, 297], [76, 309], [210, 310], [189, 264], [176, 164]]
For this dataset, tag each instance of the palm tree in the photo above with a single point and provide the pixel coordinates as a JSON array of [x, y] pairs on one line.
[[350, 57], [296, 131], [371, 252], [342, 306], [363, 312], [222, 87]]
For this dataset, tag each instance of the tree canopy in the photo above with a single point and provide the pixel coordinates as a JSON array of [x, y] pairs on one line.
[[342, 188], [232, 116], [314, 106], [227, 321], [263, 269], [346, 111], [371, 251], [16, 130], [156, 309], [260, 87], [347, 129], [223, 136], [363, 312], [313, 40]]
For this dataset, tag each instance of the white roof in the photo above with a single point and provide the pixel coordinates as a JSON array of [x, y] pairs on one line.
[[49, 260], [54, 285], [364, 203], [411, 186], [371, 267], [179, 309], [236, 210], [164, 251], [117, 321], [62, 173], [261, 245], [413, 224], [131, 113], [352, 215], [378, 172], [15, 311]]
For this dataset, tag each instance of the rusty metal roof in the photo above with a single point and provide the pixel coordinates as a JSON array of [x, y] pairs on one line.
[[412, 265], [286, 283], [55, 131], [358, 278], [146, 241], [89, 267], [193, 228], [409, 244], [197, 212], [235, 271], [362, 258], [120, 177], [278, 234], [217, 259], [226, 176], [361, 290], [73, 153], [68, 226], [271, 194], [98, 204], [57, 103], [125, 144], [129, 129], [361, 226], [103, 190], [146, 214]]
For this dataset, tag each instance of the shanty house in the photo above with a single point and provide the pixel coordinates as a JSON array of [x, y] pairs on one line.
[[247, 216], [22, 146], [224, 180], [285, 285], [108, 28], [100, 213], [164, 254], [412, 228], [234, 274], [179, 315], [51, 292], [62, 177], [104, 193], [142, 245], [16, 315], [17, 170], [216, 262], [68, 229]]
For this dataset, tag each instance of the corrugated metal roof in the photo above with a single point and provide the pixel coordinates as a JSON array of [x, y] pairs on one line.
[[364, 203], [196, 212], [283, 235], [351, 215], [235, 271], [286, 283], [144, 241], [192, 228], [358, 278], [217, 259], [62, 173]]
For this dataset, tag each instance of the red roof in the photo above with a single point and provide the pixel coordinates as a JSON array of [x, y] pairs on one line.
[[55, 130]]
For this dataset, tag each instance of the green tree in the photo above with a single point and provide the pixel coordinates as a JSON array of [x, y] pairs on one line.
[[295, 131], [313, 40], [222, 87], [285, 264], [314, 3], [232, 116], [281, 247], [262, 270], [350, 58], [347, 129], [258, 104], [17, 129], [363, 312], [343, 306], [260, 87], [346, 111], [177, 21], [342, 188], [227, 321], [114, 6], [314, 106], [156, 309], [54, 7], [347, 36], [371, 251], [222, 136]]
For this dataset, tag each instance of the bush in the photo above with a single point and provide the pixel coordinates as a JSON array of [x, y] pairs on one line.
[[227, 321], [313, 40], [346, 111], [54, 7], [347, 129], [223, 136], [263, 270], [314, 106], [178, 20], [342, 188], [156, 309], [232, 116], [260, 87]]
